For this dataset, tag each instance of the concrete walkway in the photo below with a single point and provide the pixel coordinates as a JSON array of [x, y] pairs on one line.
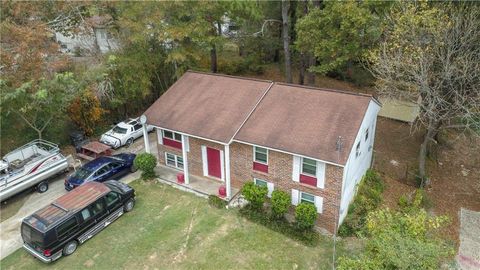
[[468, 257], [10, 238]]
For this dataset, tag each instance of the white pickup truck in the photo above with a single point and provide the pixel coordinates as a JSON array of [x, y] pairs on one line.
[[30, 165]]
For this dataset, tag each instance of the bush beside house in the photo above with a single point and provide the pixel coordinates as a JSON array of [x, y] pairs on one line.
[[274, 217], [368, 198], [146, 162]]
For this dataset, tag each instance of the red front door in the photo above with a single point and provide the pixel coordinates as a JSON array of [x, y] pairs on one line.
[[214, 166]]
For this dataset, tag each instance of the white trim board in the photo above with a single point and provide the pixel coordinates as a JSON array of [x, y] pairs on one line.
[[190, 135], [290, 153]]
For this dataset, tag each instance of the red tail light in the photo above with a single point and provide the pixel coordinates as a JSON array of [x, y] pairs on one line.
[[47, 252], [66, 181]]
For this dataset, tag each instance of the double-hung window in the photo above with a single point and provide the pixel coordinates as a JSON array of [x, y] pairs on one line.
[[357, 150], [309, 167], [173, 160], [172, 139], [172, 135], [260, 159], [260, 155], [307, 198], [260, 182]]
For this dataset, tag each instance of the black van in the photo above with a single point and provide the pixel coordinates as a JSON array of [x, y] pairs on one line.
[[72, 219]]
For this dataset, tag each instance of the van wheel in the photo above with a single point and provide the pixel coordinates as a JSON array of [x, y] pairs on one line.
[[70, 248], [129, 142], [128, 206], [42, 187]]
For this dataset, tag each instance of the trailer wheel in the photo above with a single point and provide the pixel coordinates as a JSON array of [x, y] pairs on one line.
[[42, 187]]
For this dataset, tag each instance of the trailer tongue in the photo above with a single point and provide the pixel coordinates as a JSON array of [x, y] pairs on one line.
[[28, 166]]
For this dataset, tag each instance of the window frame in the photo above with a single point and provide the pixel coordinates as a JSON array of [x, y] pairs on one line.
[[307, 173], [68, 229], [357, 149], [255, 155], [174, 135], [256, 180], [366, 134], [176, 159], [306, 200]]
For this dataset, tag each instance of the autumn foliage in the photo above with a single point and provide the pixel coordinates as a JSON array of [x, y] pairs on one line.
[[86, 111]]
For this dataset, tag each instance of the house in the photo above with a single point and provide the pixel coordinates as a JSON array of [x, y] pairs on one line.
[[315, 144], [94, 35]]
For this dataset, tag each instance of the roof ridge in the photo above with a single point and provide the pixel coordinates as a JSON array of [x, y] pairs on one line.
[[326, 89], [229, 76]]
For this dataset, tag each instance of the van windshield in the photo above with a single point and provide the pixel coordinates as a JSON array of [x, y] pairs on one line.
[[32, 236], [82, 173]]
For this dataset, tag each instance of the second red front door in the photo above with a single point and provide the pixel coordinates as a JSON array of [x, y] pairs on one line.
[[214, 164]]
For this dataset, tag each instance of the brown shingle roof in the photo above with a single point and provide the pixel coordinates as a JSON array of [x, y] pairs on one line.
[[306, 121], [206, 105]]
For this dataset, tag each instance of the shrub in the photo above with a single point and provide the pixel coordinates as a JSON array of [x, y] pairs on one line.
[[309, 237], [305, 216], [419, 200], [146, 162], [217, 202], [368, 198], [280, 202], [254, 194]]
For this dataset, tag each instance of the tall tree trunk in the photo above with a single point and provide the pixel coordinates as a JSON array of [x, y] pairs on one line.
[[310, 75], [213, 59], [286, 40], [303, 56], [432, 130], [301, 72]]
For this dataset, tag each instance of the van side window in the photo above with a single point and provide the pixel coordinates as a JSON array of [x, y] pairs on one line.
[[67, 227], [111, 198], [86, 214], [96, 208]]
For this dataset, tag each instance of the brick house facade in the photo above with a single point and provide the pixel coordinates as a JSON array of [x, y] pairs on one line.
[[235, 130]]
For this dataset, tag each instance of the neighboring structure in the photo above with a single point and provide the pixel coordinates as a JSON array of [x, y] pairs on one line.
[[94, 36], [315, 144]]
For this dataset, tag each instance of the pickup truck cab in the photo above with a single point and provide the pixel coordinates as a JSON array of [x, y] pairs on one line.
[[59, 228]]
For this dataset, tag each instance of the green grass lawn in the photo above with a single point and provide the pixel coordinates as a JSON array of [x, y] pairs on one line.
[[171, 229]]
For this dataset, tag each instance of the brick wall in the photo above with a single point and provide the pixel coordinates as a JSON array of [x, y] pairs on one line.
[[164, 148], [280, 174], [195, 165]]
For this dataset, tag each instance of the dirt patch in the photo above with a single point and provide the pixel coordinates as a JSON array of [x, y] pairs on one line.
[[89, 263], [454, 169]]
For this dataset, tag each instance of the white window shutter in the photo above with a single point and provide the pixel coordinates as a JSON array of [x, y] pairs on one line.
[[296, 169], [320, 174], [204, 160], [295, 194], [186, 142], [270, 189], [319, 204], [159, 136]]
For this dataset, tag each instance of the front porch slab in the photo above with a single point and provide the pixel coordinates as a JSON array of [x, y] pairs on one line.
[[201, 186]]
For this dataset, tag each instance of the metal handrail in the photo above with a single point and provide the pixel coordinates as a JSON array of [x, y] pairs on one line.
[[54, 147]]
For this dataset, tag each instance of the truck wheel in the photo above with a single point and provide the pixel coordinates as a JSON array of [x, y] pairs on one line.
[[70, 248], [129, 142], [128, 206], [42, 187]]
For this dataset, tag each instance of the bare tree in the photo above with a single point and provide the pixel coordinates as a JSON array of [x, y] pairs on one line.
[[431, 56], [286, 39]]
